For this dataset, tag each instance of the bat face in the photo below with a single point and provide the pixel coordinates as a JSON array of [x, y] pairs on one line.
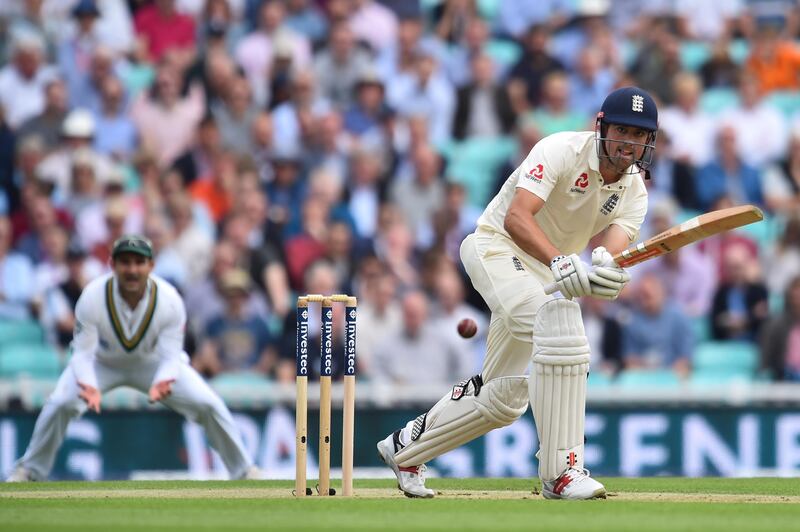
[[690, 231]]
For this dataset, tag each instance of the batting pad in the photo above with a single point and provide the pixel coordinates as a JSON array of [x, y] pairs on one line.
[[471, 410], [557, 386]]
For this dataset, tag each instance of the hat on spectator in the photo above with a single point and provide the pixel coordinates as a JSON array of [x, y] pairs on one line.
[[75, 251], [79, 123], [27, 40], [369, 77], [235, 280], [85, 8], [133, 244]]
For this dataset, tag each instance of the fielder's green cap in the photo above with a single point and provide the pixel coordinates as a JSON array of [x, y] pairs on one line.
[[133, 244]]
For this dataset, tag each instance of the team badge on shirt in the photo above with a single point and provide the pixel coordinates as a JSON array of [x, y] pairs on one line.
[[610, 204]]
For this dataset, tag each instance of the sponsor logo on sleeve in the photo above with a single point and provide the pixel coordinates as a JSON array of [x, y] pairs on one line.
[[536, 173]]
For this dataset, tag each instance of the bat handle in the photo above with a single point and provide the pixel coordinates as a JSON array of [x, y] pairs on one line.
[[551, 288]]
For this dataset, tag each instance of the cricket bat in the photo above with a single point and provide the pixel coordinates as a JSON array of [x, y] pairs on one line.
[[690, 231]]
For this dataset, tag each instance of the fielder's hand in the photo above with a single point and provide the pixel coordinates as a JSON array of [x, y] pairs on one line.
[[91, 396], [161, 390], [571, 276], [606, 278]]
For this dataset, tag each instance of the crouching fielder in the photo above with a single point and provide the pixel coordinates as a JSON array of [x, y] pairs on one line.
[[571, 187], [129, 332]]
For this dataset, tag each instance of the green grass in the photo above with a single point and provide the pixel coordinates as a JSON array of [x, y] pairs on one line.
[[638, 504]]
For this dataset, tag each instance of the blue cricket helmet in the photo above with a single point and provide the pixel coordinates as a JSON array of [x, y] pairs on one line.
[[633, 107]]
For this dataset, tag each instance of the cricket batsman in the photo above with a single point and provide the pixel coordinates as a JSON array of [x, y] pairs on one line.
[[129, 332], [571, 187]]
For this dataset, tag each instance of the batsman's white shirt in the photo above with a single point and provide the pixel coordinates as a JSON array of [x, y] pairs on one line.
[[108, 330], [563, 169]]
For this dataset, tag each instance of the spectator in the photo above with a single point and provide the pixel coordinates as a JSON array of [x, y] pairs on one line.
[[761, 132], [165, 119], [457, 62], [656, 334], [197, 160], [783, 261], [728, 176], [527, 76], [116, 134], [77, 133], [329, 147], [219, 22], [256, 51], [780, 338], [707, 21], [365, 119], [193, 245], [419, 344], [294, 117], [425, 91], [30, 151], [554, 113], [235, 115], [589, 83], [483, 108], [451, 19], [373, 24], [166, 30], [782, 180], [339, 65], [774, 61], [47, 124], [720, 71], [16, 278], [366, 192], [740, 303], [319, 278], [235, 341], [307, 247], [516, 17], [418, 199], [304, 17], [168, 263], [603, 328], [379, 315], [76, 52], [23, 80], [658, 62], [689, 277], [691, 130], [42, 216]]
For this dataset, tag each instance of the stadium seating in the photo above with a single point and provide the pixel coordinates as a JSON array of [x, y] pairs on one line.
[[33, 360], [721, 362], [20, 331], [714, 101], [648, 378], [474, 163]]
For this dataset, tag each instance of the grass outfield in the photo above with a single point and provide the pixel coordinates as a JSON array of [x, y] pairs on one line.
[[462, 504]]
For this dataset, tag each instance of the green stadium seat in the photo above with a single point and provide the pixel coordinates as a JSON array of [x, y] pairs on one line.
[[489, 9], [474, 163], [701, 327], [693, 54], [599, 379], [20, 331], [732, 358], [503, 52], [714, 101], [33, 360], [739, 50], [787, 102], [648, 378]]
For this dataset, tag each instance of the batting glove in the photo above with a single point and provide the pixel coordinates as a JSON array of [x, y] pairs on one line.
[[606, 279], [571, 276]]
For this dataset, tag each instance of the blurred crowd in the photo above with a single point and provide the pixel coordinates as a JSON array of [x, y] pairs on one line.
[[271, 148]]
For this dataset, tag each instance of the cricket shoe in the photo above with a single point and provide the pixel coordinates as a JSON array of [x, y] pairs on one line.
[[253, 473], [574, 484], [21, 474], [410, 480]]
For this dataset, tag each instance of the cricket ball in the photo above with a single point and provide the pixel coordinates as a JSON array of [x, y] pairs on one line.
[[467, 328]]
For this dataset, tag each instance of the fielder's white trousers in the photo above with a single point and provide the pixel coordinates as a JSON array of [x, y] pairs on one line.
[[191, 396]]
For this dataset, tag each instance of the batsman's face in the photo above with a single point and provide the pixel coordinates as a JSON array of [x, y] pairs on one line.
[[132, 271], [625, 144]]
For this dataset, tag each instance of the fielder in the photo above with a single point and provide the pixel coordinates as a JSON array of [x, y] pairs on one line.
[[129, 332], [571, 186]]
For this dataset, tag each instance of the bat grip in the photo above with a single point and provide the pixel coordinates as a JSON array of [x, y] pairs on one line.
[[550, 288]]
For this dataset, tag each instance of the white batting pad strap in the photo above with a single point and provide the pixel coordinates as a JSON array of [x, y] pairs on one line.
[[557, 386], [453, 422]]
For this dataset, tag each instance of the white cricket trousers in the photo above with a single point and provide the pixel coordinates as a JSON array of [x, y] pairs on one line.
[[512, 287], [191, 396]]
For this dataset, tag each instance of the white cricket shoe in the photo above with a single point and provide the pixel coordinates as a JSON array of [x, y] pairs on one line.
[[252, 473], [575, 484], [410, 480], [21, 474]]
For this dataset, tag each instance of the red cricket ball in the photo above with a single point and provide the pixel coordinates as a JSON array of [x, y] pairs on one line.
[[467, 328]]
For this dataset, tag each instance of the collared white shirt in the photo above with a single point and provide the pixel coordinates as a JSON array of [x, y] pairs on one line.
[[563, 169], [109, 331]]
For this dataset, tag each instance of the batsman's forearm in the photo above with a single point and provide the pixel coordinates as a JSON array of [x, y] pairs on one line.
[[527, 234]]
